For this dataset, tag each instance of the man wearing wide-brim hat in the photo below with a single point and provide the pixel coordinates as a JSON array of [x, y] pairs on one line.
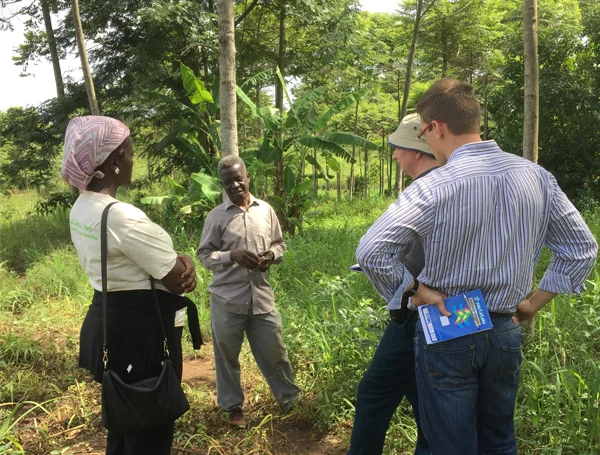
[[391, 375]]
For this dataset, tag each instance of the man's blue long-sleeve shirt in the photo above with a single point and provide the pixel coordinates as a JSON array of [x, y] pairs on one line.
[[483, 219]]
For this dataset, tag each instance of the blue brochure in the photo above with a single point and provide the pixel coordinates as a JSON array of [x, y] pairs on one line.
[[469, 315]]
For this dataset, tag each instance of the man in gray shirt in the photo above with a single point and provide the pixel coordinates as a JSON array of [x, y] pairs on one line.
[[391, 375], [241, 238]]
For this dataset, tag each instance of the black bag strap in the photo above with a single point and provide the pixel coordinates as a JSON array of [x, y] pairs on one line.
[[103, 267]]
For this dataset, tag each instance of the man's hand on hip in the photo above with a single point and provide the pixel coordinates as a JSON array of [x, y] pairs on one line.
[[525, 312], [244, 258], [427, 296], [528, 308]]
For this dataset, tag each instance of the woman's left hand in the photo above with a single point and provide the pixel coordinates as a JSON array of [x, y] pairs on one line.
[[189, 275]]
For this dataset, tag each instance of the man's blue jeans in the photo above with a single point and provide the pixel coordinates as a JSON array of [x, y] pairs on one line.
[[389, 378], [467, 390]]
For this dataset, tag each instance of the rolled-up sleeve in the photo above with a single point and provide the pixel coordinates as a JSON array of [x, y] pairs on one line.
[[380, 251], [277, 243], [572, 244], [209, 251]]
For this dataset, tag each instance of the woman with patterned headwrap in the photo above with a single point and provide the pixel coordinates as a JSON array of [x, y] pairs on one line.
[[98, 159]]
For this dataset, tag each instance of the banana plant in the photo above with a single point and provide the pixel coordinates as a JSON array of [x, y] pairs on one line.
[[294, 137], [202, 194], [197, 140], [196, 137]]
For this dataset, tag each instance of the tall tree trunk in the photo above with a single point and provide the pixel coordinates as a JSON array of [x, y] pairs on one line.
[[259, 123], [327, 178], [85, 64], [60, 86], [444, 49], [315, 173], [351, 189], [390, 166], [409, 66], [399, 99], [532, 94], [366, 175], [411, 59], [486, 115], [279, 102], [227, 92], [382, 163]]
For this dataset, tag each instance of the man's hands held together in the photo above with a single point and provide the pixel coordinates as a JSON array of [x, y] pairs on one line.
[[252, 261]]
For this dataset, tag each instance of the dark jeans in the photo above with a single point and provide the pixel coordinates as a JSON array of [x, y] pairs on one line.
[[156, 441], [389, 378], [467, 390]]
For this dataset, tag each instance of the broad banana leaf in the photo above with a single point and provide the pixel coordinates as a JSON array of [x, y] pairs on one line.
[[308, 99], [321, 144], [176, 188], [296, 222], [276, 202], [157, 200], [178, 104], [188, 208], [204, 186], [341, 138], [304, 186], [262, 77], [182, 128], [215, 133], [332, 163], [311, 160], [266, 116], [213, 108], [267, 152], [303, 109], [194, 87], [340, 106], [285, 90], [248, 101], [187, 148], [289, 179]]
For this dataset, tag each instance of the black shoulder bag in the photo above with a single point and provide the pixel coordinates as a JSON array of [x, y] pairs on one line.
[[146, 404]]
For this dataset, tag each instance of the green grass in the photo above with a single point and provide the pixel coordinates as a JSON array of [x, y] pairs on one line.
[[333, 320]]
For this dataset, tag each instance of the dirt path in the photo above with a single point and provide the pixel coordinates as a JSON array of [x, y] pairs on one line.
[[206, 430], [288, 435]]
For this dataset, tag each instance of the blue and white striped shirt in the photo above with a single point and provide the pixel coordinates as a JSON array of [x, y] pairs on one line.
[[483, 219]]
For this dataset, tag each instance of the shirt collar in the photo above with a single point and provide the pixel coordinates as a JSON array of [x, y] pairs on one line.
[[474, 147], [229, 204], [423, 174]]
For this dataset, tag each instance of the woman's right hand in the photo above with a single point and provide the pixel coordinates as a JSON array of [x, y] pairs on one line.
[[189, 275], [182, 277]]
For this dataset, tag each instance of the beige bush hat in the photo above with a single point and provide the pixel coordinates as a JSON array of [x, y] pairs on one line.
[[405, 137]]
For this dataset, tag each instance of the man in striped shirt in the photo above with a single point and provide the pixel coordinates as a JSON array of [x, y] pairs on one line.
[[483, 219]]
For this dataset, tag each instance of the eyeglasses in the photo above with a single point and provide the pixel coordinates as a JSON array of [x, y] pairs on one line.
[[421, 135]]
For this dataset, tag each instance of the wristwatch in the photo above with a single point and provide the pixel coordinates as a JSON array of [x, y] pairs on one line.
[[412, 291]]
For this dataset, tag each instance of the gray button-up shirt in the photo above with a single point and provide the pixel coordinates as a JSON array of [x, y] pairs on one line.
[[229, 227]]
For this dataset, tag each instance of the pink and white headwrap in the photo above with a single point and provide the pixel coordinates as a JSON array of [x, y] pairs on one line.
[[89, 141]]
